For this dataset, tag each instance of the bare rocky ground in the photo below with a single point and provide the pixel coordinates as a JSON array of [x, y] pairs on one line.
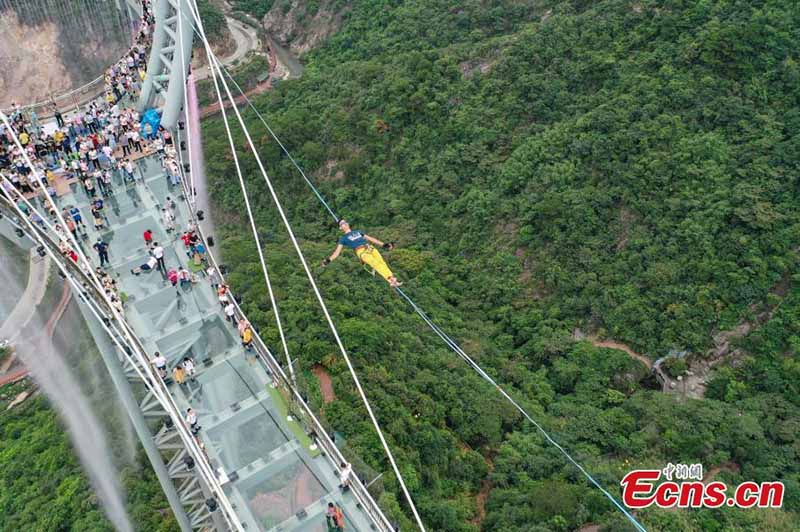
[[32, 72], [33, 57]]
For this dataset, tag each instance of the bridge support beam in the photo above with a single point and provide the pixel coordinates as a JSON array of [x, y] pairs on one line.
[[148, 96], [169, 60], [179, 71], [125, 393]]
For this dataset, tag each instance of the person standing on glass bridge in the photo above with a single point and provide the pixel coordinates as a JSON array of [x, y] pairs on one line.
[[191, 420], [158, 253], [334, 518]]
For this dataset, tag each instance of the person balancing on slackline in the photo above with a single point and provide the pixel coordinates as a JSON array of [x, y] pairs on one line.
[[361, 244]]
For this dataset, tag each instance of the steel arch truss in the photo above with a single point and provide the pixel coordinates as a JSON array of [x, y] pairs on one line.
[[167, 67]]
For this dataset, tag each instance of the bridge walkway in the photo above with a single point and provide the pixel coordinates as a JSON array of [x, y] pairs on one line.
[[278, 479]]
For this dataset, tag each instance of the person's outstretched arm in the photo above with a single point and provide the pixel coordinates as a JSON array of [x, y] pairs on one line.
[[333, 257], [387, 245]]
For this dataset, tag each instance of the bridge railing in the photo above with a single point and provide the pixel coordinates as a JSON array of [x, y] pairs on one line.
[[151, 382], [298, 405], [304, 415], [72, 99]]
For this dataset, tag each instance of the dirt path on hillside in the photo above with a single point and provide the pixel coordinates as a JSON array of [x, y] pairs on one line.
[[483, 494], [611, 344], [325, 383], [14, 376], [733, 467], [213, 108]]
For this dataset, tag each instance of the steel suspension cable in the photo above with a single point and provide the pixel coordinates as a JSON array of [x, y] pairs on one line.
[[334, 455], [128, 349], [86, 265], [214, 63], [288, 154], [246, 197], [447, 340], [460, 352], [316, 192]]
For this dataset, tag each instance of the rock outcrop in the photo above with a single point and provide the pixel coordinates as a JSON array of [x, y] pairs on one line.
[[299, 29]]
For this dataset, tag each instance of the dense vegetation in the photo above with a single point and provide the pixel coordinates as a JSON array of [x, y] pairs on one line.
[[626, 168], [247, 74], [214, 23], [257, 8]]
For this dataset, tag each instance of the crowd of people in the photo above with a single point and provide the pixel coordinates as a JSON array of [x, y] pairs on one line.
[[97, 148]]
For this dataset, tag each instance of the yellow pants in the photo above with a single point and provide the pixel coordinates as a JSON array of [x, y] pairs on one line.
[[370, 256]]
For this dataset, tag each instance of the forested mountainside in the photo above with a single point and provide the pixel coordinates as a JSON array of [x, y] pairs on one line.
[[613, 170]]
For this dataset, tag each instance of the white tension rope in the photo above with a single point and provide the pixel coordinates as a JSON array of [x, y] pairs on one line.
[[214, 64], [447, 339], [243, 187], [165, 399]]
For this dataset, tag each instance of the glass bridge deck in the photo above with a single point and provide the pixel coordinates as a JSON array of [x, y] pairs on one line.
[[278, 483]]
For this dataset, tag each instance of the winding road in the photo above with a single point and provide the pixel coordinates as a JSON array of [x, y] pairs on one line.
[[246, 38]]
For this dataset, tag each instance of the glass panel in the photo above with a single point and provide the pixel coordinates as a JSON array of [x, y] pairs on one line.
[[243, 430], [248, 436], [278, 498]]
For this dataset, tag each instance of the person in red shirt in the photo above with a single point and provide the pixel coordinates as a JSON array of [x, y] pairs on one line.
[[148, 237], [172, 275]]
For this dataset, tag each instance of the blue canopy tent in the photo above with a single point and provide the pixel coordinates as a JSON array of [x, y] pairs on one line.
[[151, 118]]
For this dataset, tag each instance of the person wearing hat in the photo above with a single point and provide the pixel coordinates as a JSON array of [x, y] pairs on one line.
[[361, 243]]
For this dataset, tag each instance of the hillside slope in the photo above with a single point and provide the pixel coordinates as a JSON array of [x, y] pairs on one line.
[[626, 168]]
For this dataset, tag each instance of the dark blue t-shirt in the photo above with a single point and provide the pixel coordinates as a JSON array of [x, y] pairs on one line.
[[353, 240]]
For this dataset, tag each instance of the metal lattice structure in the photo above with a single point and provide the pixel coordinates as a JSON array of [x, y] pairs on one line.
[[262, 461], [168, 65]]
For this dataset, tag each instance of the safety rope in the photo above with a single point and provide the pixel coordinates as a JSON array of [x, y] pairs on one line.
[[285, 151], [460, 352], [450, 342], [214, 62], [243, 187]]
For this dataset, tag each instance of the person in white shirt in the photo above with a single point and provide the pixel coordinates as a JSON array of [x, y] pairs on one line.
[[146, 267], [185, 277], [137, 141], [169, 219], [213, 276], [230, 311], [158, 253], [129, 175], [191, 420], [345, 474], [188, 367], [160, 363]]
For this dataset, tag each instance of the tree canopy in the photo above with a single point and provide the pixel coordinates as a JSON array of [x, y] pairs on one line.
[[623, 168]]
